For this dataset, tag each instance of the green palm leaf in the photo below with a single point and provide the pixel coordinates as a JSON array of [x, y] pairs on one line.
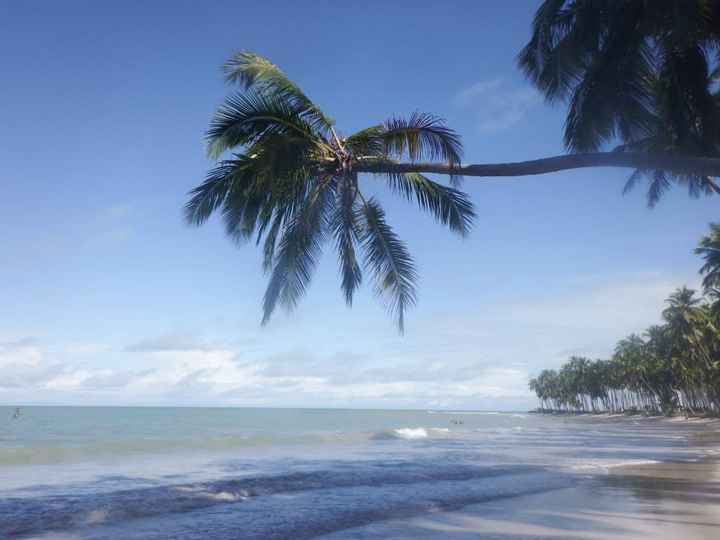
[[660, 181], [213, 192], [299, 251], [709, 250], [422, 136], [613, 82], [244, 119], [292, 186], [659, 184], [251, 188], [448, 205], [271, 241], [367, 142], [253, 71], [553, 58], [635, 72], [345, 226], [389, 261]]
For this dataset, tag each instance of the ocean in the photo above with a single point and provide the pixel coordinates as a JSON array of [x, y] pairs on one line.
[[127, 473]]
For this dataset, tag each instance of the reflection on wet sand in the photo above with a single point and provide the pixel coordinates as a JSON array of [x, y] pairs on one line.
[[664, 501]]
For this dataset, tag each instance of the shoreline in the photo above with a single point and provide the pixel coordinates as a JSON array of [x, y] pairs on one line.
[[630, 414], [657, 500], [642, 502]]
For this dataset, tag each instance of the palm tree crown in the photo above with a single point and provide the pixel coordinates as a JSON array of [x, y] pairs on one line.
[[640, 73], [291, 184], [709, 250]]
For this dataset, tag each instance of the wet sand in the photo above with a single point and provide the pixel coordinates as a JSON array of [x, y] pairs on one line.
[[659, 501]]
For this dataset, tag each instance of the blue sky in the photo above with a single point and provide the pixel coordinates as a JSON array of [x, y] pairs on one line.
[[110, 299]]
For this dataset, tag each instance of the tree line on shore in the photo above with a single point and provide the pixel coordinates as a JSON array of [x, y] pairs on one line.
[[673, 367]]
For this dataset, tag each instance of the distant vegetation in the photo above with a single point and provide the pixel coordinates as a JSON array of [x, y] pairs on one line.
[[673, 366]]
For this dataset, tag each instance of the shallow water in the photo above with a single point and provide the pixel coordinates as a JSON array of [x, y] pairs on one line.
[[142, 473]]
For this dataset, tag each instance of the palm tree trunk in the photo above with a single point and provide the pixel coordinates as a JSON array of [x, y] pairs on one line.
[[677, 164]]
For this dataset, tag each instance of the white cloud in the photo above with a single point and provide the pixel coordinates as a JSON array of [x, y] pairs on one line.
[[464, 360], [168, 342], [497, 104], [616, 306], [219, 376]]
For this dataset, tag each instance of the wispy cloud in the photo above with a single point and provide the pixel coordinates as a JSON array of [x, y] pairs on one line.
[[168, 343], [463, 360], [221, 376], [497, 104]]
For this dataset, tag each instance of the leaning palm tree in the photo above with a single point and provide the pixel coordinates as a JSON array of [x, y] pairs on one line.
[[292, 183]]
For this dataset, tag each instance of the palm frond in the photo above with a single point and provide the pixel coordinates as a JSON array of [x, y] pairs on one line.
[[685, 100], [709, 250], [659, 184], [345, 227], [271, 240], [220, 182], [422, 136], [366, 142], [553, 58], [613, 99], [632, 180], [271, 177], [448, 205], [389, 261], [698, 185], [254, 71], [664, 142], [244, 119], [298, 251]]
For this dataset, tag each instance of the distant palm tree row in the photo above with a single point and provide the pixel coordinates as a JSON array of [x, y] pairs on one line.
[[673, 366]]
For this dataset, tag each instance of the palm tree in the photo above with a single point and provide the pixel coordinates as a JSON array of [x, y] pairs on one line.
[[682, 305], [636, 74], [709, 249], [675, 365], [292, 183]]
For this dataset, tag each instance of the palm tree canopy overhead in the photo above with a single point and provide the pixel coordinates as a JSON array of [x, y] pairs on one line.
[[637, 74], [290, 183]]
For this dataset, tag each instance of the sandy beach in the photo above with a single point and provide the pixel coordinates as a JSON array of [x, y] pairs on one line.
[[661, 501]]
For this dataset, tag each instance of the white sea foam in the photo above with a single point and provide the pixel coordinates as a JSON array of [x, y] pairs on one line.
[[605, 465], [411, 433], [226, 496], [96, 516], [473, 413]]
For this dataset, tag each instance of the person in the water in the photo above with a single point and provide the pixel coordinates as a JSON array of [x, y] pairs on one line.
[[17, 413]]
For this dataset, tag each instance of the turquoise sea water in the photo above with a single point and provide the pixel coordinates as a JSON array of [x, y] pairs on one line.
[[112, 472]]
